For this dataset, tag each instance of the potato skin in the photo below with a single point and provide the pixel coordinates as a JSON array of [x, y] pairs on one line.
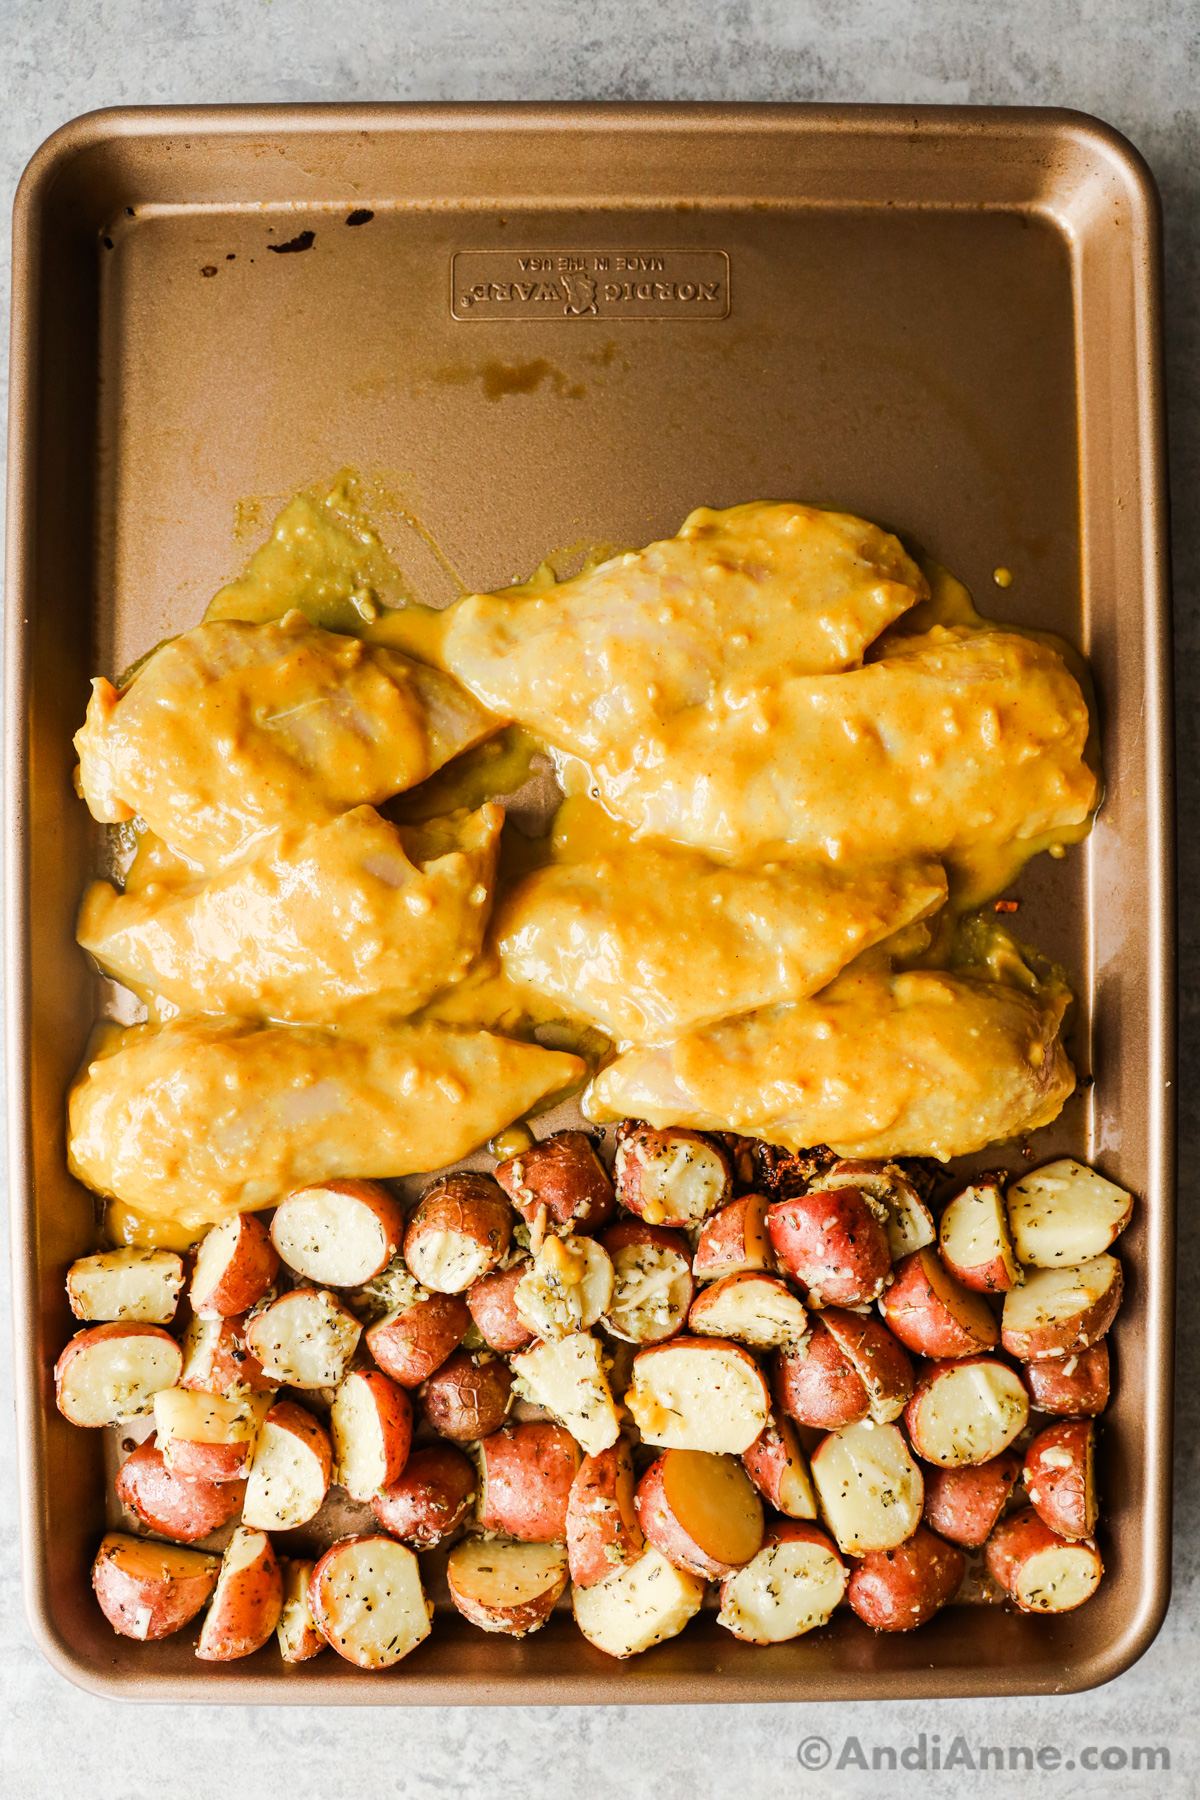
[[131, 1578], [251, 1268], [917, 1311], [167, 1503], [469, 1205], [527, 1475], [637, 1144], [664, 1531], [630, 1234], [494, 1310], [564, 1175], [1063, 1496], [832, 1244], [603, 1532], [817, 1384], [244, 1615], [430, 1500], [409, 1345], [468, 1397], [879, 1359], [963, 1504], [770, 1456], [897, 1590], [1082, 1393], [1015, 1540], [227, 1366], [734, 1240], [1054, 1339]]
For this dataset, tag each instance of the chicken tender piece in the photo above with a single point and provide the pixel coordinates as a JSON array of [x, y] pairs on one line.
[[354, 910]]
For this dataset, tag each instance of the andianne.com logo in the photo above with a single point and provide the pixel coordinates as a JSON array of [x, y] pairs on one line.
[[930, 1752]]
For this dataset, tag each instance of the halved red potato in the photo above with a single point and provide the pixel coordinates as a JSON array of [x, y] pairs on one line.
[[832, 1243], [150, 1590], [112, 1372], [431, 1499], [603, 1533], [469, 1396], [289, 1470], [509, 1587], [340, 1233], [974, 1240], [492, 1302], [1076, 1386], [901, 1588], [966, 1410], [908, 1222], [755, 1309], [790, 1587], [371, 1424], [525, 1476], [206, 1437], [367, 1600], [879, 1361], [235, 1265], [306, 1338], [296, 1630], [779, 1469], [1063, 1214], [416, 1338], [735, 1240], [870, 1489], [569, 1379], [1040, 1570], [1060, 1311], [637, 1606], [216, 1360], [126, 1284], [671, 1177], [698, 1394], [460, 1231], [816, 1383], [1060, 1477], [935, 1315], [703, 1512], [964, 1503], [559, 1184], [566, 1288], [652, 1282], [247, 1602], [179, 1509]]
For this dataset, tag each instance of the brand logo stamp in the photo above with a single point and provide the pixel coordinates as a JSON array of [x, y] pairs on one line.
[[589, 284]]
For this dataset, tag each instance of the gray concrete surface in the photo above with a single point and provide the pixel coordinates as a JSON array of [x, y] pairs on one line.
[[1135, 63]]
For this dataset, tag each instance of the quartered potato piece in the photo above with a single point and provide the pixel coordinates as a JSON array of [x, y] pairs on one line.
[[698, 1394], [167, 1503], [417, 1336], [305, 1339], [431, 1499], [562, 1181], [506, 1587], [964, 1503], [142, 1285], [371, 1423], [568, 1378], [703, 1512], [1064, 1214], [1039, 1569], [366, 1597], [670, 1177], [112, 1372], [966, 1411], [150, 1590], [754, 1309], [460, 1231], [974, 1240], [525, 1474], [935, 1315], [343, 1233], [216, 1360], [1076, 1385], [235, 1265], [1060, 1477], [468, 1397], [603, 1533], [289, 1470], [870, 1489], [832, 1242], [899, 1589], [779, 1469], [566, 1288], [247, 1602], [652, 1282], [1059, 1312], [492, 1302], [792, 1586], [637, 1606], [296, 1630], [734, 1240], [908, 1222], [206, 1437]]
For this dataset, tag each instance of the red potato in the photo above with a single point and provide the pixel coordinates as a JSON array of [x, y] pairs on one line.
[[306, 1338], [832, 1243], [1061, 1311], [566, 1288], [371, 1424], [639, 1605], [671, 1177], [816, 1383], [652, 1282], [469, 1396], [126, 1284], [974, 1240], [166, 1503], [966, 1410], [1063, 1214], [150, 1590], [899, 1589], [366, 1598], [560, 1183], [216, 1360], [526, 1473], [247, 1602], [603, 1532], [569, 1379], [870, 1489], [296, 1631], [878, 1360], [964, 1503], [492, 1303], [1038, 1569], [110, 1373], [460, 1231], [289, 1470], [790, 1587], [506, 1587], [735, 1240], [755, 1309], [907, 1221], [235, 1265], [779, 1469], [1060, 1477], [205, 1437], [1076, 1386], [416, 1338], [935, 1315], [340, 1234], [698, 1394], [430, 1500], [703, 1512]]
